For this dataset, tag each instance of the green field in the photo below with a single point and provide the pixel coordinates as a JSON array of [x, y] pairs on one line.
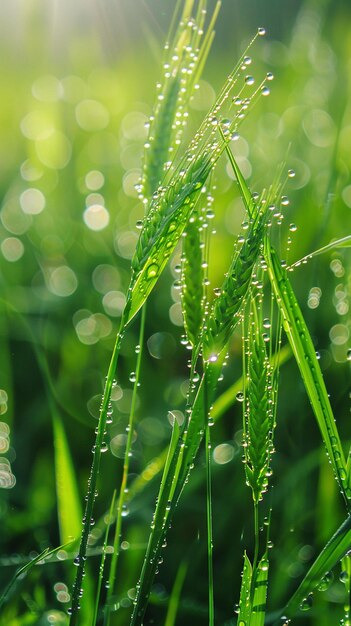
[[175, 349]]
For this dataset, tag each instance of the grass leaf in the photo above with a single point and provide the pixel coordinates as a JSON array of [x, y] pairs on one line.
[[305, 355], [330, 556], [69, 508]]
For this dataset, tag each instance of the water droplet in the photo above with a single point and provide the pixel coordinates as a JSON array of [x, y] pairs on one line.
[[132, 377], [269, 76], [264, 565], [265, 91], [235, 136], [291, 173], [266, 323], [249, 80], [344, 577], [152, 271], [104, 446], [139, 224], [348, 354], [293, 228], [306, 603], [261, 31], [239, 396]]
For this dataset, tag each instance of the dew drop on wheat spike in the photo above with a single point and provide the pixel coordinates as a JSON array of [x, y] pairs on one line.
[[152, 271]]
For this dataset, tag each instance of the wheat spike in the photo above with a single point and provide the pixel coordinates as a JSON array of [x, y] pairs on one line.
[[226, 309], [192, 280], [258, 413]]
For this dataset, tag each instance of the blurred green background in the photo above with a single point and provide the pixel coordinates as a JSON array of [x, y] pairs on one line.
[[77, 86]]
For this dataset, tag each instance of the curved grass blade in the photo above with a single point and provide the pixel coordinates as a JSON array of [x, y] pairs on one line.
[[330, 556], [45, 554], [344, 242], [305, 355]]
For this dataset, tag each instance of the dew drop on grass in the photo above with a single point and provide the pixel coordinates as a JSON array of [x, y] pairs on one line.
[[325, 582], [348, 354], [291, 173], [104, 446], [344, 577], [249, 80], [132, 377], [261, 31], [293, 228], [306, 603], [269, 76], [266, 323], [265, 90], [152, 271], [239, 396]]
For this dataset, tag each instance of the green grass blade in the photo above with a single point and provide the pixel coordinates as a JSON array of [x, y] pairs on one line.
[[174, 599], [343, 242], [69, 507], [305, 355], [245, 593], [330, 556], [103, 559], [260, 592], [45, 554]]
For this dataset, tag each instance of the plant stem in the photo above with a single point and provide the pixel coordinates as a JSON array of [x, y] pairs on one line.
[[208, 505], [122, 493], [94, 471]]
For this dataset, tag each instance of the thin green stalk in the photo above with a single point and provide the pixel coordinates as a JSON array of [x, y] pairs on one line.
[[103, 559], [122, 493], [257, 536], [209, 505], [92, 482], [175, 594]]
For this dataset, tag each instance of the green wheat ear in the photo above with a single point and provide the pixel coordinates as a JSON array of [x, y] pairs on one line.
[[227, 308], [192, 281], [258, 407], [186, 49]]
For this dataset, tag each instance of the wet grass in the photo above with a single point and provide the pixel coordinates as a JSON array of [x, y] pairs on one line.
[[215, 406]]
